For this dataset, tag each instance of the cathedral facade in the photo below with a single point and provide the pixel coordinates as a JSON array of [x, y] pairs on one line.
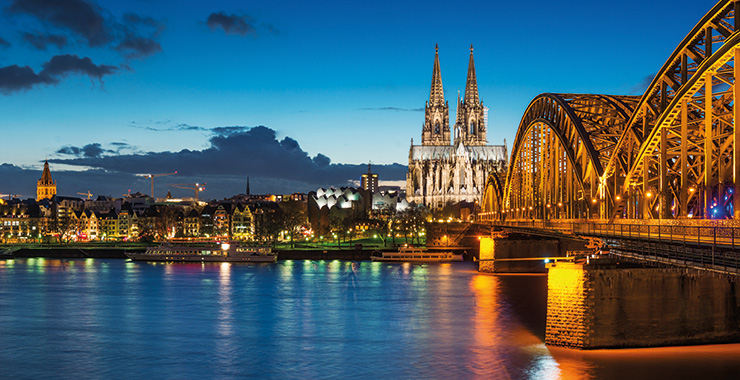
[[452, 166]]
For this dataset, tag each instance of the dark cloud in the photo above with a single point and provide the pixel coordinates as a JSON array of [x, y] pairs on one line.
[[61, 65], [4, 43], [231, 24], [392, 109], [134, 36], [41, 41], [15, 78], [273, 165], [174, 128], [80, 17], [140, 35], [229, 130], [182, 127], [93, 150], [256, 152], [139, 47]]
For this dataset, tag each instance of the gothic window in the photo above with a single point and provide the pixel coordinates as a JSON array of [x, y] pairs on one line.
[[472, 127], [436, 127]]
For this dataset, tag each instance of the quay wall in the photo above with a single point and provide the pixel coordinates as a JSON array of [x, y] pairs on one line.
[[592, 306]]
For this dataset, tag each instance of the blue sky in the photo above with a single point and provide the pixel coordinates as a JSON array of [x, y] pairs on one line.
[[343, 79]]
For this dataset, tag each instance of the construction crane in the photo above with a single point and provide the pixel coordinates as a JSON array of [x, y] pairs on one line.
[[10, 196], [88, 195], [152, 176], [197, 187]]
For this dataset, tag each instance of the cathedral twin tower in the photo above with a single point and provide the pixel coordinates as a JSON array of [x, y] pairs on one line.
[[447, 169], [470, 126]]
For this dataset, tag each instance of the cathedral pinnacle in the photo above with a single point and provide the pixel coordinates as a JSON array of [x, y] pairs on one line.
[[471, 88], [436, 94]]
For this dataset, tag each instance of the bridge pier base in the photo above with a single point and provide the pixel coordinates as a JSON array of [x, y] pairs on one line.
[[522, 253], [602, 304]]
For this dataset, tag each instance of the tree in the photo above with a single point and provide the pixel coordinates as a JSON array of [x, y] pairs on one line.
[[295, 217]]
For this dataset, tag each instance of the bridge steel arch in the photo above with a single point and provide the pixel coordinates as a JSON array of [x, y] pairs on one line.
[[676, 158], [669, 153], [557, 156], [493, 197]]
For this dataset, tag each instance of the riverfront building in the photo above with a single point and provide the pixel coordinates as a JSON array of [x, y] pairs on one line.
[[447, 169]]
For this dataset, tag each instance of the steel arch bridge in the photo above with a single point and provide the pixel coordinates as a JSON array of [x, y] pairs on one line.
[[669, 153]]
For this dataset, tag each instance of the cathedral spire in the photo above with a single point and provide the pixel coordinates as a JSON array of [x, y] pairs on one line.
[[471, 88], [46, 175], [436, 130], [45, 186], [436, 94]]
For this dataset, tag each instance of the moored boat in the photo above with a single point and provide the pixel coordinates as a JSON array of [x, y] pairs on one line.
[[412, 254], [221, 252]]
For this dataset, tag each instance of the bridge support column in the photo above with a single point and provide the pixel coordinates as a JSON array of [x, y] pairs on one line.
[[520, 253], [736, 134], [605, 305]]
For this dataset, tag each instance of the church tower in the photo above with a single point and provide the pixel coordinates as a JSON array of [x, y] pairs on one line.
[[45, 187], [436, 129], [470, 127]]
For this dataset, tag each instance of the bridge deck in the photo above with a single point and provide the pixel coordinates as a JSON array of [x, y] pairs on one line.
[[714, 248]]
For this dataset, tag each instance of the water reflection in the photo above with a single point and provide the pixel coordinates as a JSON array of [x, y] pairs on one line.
[[302, 319]]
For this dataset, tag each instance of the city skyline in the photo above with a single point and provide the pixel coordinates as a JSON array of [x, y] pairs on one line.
[[335, 82]]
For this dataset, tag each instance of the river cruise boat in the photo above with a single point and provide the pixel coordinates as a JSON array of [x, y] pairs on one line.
[[416, 255], [229, 252]]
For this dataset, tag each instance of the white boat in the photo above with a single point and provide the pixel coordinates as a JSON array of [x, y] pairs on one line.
[[417, 255], [231, 252]]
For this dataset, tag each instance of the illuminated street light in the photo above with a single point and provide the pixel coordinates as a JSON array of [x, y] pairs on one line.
[[648, 194]]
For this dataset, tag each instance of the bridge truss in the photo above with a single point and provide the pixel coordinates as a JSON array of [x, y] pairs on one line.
[[669, 153]]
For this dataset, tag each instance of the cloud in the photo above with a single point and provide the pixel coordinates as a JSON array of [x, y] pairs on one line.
[[41, 41], [15, 78], [61, 65], [89, 150], [175, 128], [134, 36], [139, 36], [182, 127], [231, 24], [77, 16], [392, 109], [4, 43], [256, 152], [275, 166]]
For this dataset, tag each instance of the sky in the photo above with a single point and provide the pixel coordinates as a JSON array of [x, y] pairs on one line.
[[294, 94]]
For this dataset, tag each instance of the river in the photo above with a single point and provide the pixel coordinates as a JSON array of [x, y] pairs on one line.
[[112, 319]]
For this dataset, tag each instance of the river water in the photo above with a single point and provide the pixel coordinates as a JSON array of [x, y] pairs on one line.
[[301, 319]]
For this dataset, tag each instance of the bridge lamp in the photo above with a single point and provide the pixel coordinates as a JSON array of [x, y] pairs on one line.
[[691, 189], [648, 194], [530, 207], [560, 204], [618, 197], [593, 200], [548, 205]]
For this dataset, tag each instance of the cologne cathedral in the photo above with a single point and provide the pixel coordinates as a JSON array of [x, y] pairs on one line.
[[447, 169]]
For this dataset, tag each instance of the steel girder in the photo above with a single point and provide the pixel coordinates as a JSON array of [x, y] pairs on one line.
[[558, 152]]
